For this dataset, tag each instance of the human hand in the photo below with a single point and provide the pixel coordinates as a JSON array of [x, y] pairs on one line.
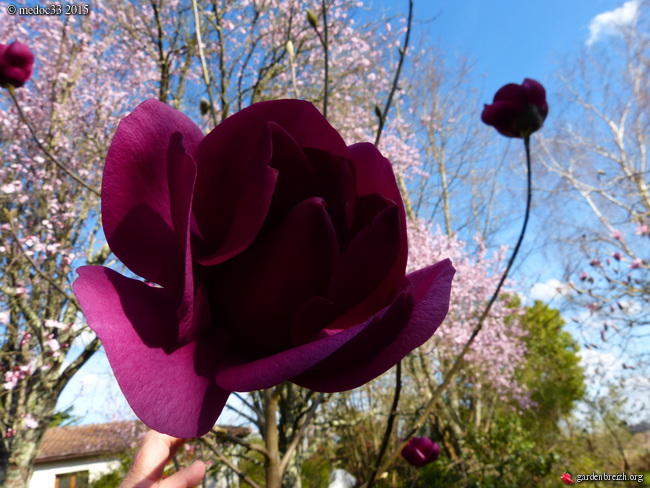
[[155, 452]]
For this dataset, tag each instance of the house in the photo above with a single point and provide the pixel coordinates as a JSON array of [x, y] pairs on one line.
[[75, 456]]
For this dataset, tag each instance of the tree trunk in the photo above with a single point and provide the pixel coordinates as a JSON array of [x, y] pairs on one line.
[[17, 456], [271, 438], [19, 449]]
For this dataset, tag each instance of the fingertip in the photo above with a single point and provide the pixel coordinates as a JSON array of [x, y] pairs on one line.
[[199, 468], [194, 474]]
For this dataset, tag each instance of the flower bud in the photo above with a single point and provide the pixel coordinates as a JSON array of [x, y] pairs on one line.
[[420, 451], [204, 106], [16, 64], [517, 110], [311, 17], [290, 50]]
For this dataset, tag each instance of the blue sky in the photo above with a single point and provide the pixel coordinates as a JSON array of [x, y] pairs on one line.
[[508, 40]]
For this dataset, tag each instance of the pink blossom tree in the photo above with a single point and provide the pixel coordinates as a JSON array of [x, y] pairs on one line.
[[54, 134]]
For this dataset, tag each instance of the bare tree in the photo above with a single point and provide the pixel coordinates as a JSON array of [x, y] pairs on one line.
[[599, 159]]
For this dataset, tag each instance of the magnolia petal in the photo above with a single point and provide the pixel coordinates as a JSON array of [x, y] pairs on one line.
[[295, 174], [234, 187], [236, 374], [501, 115], [512, 93], [536, 94], [383, 343], [158, 377], [136, 201], [375, 176], [365, 276], [352, 357], [236, 183], [298, 118], [374, 172], [258, 292]]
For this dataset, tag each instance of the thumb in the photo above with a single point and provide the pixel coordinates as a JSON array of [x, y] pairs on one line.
[[186, 478]]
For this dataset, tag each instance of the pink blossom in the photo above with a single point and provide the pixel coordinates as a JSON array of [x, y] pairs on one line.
[[11, 380], [637, 263], [55, 324], [26, 338], [616, 234], [643, 230], [53, 345], [12, 187], [593, 307], [499, 349], [13, 377], [30, 422]]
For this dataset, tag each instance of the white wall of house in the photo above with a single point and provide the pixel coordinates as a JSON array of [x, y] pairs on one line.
[[44, 475]]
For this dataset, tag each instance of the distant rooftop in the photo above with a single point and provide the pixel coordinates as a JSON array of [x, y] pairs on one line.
[[89, 440], [100, 439]]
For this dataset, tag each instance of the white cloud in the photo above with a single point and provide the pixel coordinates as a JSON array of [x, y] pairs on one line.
[[609, 23], [548, 291], [603, 361]]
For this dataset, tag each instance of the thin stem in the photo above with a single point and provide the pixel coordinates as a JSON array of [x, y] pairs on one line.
[[253, 408], [326, 49], [242, 476], [204, 66], [389, 425], [324, 42], [402, 56], [459, 359], [45, 151], [383, 114], [222, 433]]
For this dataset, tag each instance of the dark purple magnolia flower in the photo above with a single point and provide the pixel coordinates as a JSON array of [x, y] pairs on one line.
[[270, 250], [420, 451], [16, 64], [517, 110]]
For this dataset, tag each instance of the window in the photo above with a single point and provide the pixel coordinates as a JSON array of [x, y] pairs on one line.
[[78, 479]]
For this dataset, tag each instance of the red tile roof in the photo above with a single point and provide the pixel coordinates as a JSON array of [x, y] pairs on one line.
[[90, 440]]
